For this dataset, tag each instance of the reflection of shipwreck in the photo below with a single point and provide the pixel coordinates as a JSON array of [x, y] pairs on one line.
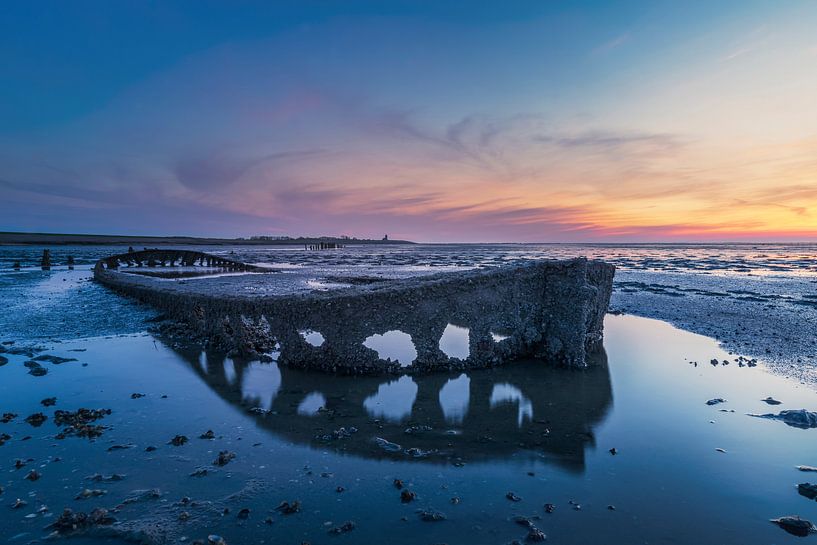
[[527, 409], [548, 309]]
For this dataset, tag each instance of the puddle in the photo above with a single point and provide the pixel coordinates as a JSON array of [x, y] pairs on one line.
[[542, 432]]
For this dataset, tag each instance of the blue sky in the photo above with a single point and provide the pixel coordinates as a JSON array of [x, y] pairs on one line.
[[541, 121]]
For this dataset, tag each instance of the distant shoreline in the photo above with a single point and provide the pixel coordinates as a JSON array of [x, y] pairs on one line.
[[58, 239]]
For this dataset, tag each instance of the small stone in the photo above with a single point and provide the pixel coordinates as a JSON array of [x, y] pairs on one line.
[[407, 496], [431, 516], [178, 441], [244, 514], [347, 526], [136, 396], [535, 535], [49, 402], [513, 497], [287, 508], [224, 458], [207, 435], [90, 493], [795, 525], [808, 490], [398, 484], [549, 508], [36, 419], [613, 451], [716, 401]]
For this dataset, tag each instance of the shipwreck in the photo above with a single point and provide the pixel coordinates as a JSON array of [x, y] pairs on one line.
[[323, 319]]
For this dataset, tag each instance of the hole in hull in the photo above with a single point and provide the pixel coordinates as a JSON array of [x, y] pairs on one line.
[[394, 345], [455, 342], [313, 337]]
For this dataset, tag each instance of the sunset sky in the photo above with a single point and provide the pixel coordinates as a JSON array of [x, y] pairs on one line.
[[432, 121]]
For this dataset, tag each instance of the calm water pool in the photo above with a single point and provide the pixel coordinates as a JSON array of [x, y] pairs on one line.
[[464, 443]]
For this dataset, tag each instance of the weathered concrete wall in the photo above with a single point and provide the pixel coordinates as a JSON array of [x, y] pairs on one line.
[[550, 309]]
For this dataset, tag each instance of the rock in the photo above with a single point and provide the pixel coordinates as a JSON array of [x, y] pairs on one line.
[[808, 490], [79, 422], [99, 478], [431, 516], [407, 496], [771, 401], [387, 445], [224, 458], [806, 468], [70, 522], [56, 360], [214, 539], [347, 526], [200, 472], [90, 493], [398, 484], [178, 441], [3, 360], [287, 508], [49, 402], [535, 535], [244, 514], [715, 401], [207, 435], [136, 396], [795, 525], [19, 504], [36, 370], [720, 450], [150, 449], [613, 451], [549, 508], [513, 497], [8, 417], [33, 475], [36, 419], [801, 418], [137, 496]]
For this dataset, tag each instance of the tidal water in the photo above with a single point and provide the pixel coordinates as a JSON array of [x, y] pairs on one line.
[[478, 450]]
